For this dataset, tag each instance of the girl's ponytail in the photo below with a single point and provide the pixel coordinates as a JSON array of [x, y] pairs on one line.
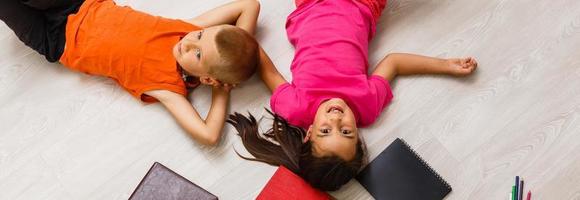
[[288, 137]]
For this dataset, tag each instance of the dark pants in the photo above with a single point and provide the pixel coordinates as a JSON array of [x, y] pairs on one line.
[[40, 24]]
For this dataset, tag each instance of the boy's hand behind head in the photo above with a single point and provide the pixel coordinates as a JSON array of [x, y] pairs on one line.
[[228, 87], [223, 88]]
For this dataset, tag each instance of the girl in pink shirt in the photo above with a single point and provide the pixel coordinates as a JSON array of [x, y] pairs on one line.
[[317, 115]]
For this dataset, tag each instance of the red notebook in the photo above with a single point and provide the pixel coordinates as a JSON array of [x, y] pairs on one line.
[[284, 184]]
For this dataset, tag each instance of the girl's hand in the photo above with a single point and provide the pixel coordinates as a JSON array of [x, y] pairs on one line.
[[461, 66]]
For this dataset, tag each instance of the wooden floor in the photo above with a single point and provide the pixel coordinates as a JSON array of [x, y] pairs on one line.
[[65, 135]]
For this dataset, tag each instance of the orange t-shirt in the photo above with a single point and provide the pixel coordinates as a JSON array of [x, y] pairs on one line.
[[129, 46]]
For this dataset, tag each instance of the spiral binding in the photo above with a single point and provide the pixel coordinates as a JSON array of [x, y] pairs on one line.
[[426, 164]]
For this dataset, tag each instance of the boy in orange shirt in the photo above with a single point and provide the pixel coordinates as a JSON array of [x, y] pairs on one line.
[[153, 58]]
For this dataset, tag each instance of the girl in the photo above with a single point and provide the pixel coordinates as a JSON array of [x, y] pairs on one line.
[[317, 115]]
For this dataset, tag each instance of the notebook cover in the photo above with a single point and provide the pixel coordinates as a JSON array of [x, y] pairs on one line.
[[398, 173], [286, 185], [161, 183]]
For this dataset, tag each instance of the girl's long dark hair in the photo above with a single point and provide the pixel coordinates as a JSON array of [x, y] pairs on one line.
[[325, 173]]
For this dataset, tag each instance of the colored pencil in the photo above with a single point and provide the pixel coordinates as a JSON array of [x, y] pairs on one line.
[[521, 190], [517, 185], [529, 195], [514, 192]]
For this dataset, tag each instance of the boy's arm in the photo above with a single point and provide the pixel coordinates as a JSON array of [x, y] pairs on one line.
[[268, 72], [206, 131], [409, 64], [241, 13]]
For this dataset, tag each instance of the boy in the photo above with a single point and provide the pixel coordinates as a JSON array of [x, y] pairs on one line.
[[153, 58]]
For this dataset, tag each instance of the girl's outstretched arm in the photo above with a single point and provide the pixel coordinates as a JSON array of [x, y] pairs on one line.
[[268, 72], [241, 13], [409, 64]]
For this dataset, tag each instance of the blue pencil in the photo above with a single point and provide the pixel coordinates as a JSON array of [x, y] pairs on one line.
[[517, 184]]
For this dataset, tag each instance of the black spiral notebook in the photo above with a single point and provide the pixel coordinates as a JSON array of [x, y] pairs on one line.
[[398, 173]]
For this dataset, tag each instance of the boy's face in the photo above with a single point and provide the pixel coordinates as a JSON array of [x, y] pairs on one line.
[[334, 130], [196, 50]]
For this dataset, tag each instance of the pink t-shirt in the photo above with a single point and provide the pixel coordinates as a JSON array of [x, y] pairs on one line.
[[331, 40]]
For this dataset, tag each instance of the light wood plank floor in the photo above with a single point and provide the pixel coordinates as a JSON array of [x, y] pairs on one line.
[[65, 135]]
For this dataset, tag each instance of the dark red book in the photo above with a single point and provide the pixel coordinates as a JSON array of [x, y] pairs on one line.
[[284, 184], [161, 183]]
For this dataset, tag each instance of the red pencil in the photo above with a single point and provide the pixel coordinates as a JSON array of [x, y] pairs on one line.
[[529, 195]]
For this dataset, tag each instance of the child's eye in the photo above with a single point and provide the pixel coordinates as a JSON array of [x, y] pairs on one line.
[[325, 130], [345, 132], [199, 35], [198, 53]]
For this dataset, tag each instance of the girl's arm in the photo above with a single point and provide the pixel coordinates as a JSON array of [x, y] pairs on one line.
[[409, 64], [206, 131], [241, 13], [268, 72]]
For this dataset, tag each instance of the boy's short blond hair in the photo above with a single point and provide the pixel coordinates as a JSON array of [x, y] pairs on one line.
[[238, 55]]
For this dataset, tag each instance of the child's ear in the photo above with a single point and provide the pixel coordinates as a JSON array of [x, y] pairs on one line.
[[308, 134], [206, 80]]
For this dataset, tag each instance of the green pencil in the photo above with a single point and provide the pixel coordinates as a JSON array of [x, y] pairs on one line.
[[513, 192]]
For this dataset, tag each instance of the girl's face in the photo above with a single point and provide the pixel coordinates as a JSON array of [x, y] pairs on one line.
[[334, 130]]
